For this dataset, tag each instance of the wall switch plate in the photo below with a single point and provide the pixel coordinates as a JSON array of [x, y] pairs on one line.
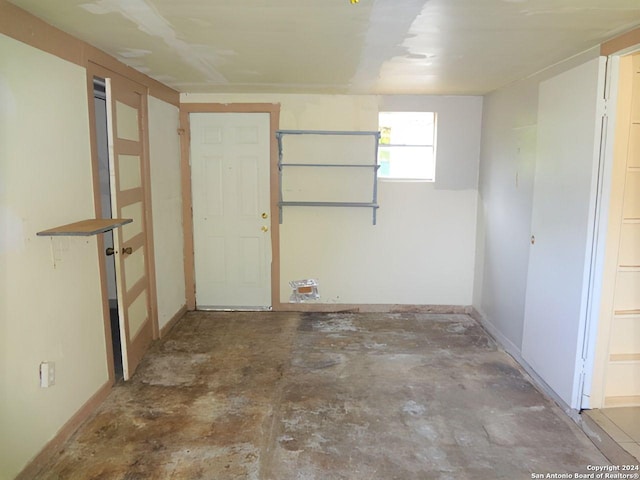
[[47, 374]]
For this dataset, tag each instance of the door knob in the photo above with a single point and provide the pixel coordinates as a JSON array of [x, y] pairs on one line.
[[110, 251], [126, 250], [265, 215], [264, 228]]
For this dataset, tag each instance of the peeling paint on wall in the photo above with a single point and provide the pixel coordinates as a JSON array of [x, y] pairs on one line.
[[149, 21]]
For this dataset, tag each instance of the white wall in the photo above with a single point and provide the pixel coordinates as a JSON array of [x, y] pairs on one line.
[[166, 196], [50, 310], [507, 167], [422, 249]]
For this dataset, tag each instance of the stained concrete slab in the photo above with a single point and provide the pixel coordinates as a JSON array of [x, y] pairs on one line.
[[325, 396]]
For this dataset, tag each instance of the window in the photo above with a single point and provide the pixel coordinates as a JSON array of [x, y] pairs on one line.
[[407, 149]]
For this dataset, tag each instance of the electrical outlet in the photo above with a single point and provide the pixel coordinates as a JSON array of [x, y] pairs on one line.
[[47, 374]]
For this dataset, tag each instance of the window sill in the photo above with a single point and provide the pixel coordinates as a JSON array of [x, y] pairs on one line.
[[405, 180]]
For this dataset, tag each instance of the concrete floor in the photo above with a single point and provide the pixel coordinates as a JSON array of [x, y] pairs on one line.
[[325, 396]]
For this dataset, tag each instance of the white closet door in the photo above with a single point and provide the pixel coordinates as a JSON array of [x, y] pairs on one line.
[[562, 224]]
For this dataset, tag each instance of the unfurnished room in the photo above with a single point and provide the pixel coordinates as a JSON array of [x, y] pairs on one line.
[[337, 239]]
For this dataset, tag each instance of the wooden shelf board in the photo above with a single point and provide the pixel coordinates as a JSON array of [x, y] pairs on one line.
[[84, 228]]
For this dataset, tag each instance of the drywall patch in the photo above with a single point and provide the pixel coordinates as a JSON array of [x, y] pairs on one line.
[[134, 53], [149, 21], [11, 231], [383, 40], [7, 100]]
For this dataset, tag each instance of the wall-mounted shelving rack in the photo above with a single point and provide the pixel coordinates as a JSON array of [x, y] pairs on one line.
[[373, 166]]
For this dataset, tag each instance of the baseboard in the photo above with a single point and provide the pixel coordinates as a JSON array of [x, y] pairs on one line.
[[512, 350], [171, 323], [67, 430], [506, 344], [371, 308]]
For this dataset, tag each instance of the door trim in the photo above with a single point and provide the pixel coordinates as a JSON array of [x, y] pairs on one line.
[[273, 109], [95, 70]]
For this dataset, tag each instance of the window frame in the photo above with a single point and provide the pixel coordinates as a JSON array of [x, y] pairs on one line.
[[390, 147]]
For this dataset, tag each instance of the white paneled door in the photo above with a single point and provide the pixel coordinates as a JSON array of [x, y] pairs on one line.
[[231, 214], [562, 226], [126, 144]]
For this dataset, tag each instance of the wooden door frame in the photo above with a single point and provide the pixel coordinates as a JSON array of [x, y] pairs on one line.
[[273, 109], [95, 70]]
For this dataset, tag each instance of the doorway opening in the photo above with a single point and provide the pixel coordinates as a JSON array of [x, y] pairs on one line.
[[100, 102]]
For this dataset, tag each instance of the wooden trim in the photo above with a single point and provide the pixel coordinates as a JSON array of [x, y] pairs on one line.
[[276, 305], [172, 322], [131, 196], [621, 42], [155, 88], [134, 292], [138, 346], [68, 429], [24, 27], [624, 357], [374, 308], [622, 401], [273, 109], [148, 213], [136, 242], [128, 147], [230, 108], [187, 210]]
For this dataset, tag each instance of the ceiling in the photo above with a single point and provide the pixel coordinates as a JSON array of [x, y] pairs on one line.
[[333, 46]]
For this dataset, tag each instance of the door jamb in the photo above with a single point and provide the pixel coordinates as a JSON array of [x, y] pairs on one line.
[[273, 109]]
